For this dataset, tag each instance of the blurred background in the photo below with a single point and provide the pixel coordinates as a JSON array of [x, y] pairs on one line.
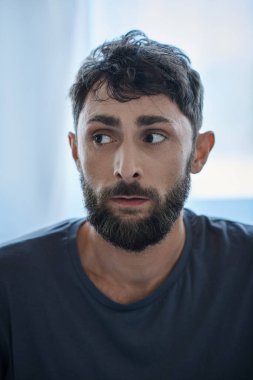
[[43, 44]]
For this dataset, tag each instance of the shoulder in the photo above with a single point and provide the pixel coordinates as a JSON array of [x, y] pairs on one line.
[[219, 225], [33, 248], [221, 252], [231, 236], [46, 234]]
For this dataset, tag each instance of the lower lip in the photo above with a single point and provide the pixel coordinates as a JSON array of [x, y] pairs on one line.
[[129, 202]]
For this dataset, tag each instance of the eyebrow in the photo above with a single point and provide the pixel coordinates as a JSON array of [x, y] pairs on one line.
[[142, 121], [146, 120], [110, 121]]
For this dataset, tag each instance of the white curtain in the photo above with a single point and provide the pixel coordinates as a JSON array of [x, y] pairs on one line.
[[42, 45]]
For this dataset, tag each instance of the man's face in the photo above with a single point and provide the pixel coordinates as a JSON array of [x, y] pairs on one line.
[[134, 162]]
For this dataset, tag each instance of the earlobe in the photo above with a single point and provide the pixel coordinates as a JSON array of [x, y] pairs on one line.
[[73, 146], [204, 144]]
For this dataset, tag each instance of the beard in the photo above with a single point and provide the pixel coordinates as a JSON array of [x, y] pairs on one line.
[[135, 235]]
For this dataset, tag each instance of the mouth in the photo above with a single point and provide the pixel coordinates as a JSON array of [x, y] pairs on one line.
[[129, 201]]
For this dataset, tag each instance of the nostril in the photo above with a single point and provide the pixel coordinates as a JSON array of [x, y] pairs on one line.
[[118, 175]]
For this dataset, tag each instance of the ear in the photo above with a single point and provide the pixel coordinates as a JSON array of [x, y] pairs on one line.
[[73, 146], [204, 144]]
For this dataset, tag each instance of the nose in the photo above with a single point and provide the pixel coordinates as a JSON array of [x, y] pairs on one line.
[[127, 164]]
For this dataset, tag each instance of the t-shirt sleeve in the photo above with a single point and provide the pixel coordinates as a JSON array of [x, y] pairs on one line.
[[4, 333]]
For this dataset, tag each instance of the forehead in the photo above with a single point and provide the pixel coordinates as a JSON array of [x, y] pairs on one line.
[[100, 103]]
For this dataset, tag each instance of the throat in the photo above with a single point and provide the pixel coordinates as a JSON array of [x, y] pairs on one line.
[[126, 277], [122, 293]]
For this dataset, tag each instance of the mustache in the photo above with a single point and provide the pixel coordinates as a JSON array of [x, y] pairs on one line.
[[129, 189]]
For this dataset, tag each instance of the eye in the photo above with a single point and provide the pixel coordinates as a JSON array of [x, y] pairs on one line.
[[102, 139], [154, 138]]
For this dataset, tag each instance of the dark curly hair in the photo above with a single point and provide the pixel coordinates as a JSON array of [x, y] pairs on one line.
[[134, 65]]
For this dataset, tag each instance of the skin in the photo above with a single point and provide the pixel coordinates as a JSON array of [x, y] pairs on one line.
[[147, 140]]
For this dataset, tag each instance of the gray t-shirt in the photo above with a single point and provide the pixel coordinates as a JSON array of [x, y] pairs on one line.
[[55, 324]]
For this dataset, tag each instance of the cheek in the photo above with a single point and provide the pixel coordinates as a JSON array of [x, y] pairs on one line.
[[96, 170], [167, 171], [168, 165]]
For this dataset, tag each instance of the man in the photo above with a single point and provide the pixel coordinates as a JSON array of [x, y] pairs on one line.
[[141, 289]]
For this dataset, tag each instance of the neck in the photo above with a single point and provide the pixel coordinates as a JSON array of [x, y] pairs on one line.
[[125, 276]]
